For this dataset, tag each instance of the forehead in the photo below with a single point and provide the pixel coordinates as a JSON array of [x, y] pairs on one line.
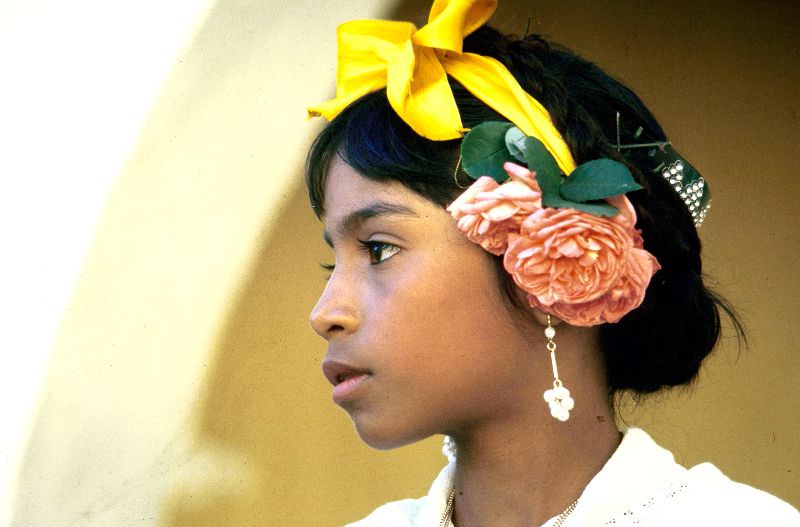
[[346, 191]]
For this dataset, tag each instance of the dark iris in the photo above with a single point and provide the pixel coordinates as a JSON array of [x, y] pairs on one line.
[[378, 251]]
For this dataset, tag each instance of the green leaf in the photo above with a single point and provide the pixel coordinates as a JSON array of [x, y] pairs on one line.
[[483, 151], [598, 179], [515, 142], [598, 208], [533, 153]]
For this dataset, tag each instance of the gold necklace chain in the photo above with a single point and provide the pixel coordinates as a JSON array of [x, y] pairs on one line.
[[566, 512], [447, 516]]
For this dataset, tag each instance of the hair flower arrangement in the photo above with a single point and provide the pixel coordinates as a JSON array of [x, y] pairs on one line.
[[569, 241]]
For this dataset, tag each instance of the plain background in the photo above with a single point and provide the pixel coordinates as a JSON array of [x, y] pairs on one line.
[[183, 387]]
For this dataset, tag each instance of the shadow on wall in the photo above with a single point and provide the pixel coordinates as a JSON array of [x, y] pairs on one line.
[[270, 446], [294, 458], [266, 415]]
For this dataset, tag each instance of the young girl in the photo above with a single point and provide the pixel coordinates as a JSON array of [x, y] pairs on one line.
[[501, 288]]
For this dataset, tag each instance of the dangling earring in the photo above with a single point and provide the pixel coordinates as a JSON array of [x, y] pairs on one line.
[[557, 398], [449, 449]]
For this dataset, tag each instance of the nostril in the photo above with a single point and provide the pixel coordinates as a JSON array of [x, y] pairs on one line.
[[329, 319]]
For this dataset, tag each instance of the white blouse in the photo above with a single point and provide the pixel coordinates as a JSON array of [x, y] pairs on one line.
[[640, 485]]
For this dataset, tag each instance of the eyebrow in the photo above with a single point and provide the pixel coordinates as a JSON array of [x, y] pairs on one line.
[[355, 219]]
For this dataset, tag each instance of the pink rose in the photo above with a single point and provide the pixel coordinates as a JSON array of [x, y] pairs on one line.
[[569, 256], [623, 297], [627, 214], [488, 213], [582, 268]]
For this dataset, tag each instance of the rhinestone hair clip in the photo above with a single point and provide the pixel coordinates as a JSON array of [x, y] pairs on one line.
[[687, 182], [681, 176]]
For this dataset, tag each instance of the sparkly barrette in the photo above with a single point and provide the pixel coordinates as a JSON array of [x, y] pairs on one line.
[[679, 173], [687, 182]]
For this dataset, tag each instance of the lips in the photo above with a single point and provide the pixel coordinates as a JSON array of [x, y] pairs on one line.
[[346, 379]]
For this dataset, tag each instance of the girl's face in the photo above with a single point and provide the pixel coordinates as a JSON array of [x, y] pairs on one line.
[[421, 338]]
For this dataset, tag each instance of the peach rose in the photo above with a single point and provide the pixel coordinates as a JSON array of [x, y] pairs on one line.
[[627, 214], [623, 297], [569, 256], [488, 212], [582, 268]]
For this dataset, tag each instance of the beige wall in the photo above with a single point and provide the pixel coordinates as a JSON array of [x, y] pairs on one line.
[[186, 385]]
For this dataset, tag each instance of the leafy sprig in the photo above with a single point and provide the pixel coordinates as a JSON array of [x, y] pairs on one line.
[[489, 145]]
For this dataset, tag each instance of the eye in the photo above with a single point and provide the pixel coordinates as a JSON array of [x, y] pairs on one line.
[[379, 251]]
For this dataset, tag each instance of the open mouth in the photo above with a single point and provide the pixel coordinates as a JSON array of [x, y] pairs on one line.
[[347, 380], [344, 376], [338, 372]]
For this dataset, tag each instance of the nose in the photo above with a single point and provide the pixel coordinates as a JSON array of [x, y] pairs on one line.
[[336, 313]]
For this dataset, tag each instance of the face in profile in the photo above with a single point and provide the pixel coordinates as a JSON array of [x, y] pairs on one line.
[[421, 337]]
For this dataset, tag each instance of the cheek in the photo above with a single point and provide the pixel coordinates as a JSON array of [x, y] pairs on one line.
[[466, 288], [452, 303]]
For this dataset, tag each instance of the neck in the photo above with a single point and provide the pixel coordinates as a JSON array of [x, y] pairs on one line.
[[522, 467], [548, 465]]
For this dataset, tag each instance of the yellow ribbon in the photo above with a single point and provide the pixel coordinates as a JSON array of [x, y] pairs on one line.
[[413, 66]]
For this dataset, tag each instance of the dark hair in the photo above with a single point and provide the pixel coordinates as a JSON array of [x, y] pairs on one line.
[[661, 343]]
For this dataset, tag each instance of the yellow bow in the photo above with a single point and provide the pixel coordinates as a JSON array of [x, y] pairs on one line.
[[413, 66]]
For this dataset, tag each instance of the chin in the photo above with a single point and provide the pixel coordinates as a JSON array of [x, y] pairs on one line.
[[385, 437]]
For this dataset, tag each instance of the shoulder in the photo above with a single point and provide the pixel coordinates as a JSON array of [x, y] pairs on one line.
[[703, 496], [643, 485], [710, 494]]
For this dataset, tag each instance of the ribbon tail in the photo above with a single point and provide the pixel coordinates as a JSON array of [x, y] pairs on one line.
[[331, 108], [452, 20], [491, 82]]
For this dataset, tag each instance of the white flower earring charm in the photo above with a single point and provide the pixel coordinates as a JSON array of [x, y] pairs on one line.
[[558, 397]]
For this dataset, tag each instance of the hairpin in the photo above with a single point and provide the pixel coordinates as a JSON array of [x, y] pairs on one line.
[[681, 176]]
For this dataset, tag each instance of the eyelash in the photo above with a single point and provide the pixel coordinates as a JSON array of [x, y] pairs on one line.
[[329, 270], [369, 247]]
